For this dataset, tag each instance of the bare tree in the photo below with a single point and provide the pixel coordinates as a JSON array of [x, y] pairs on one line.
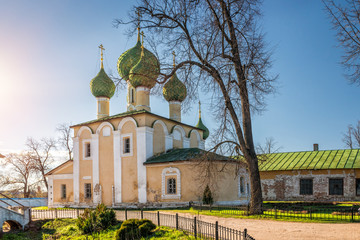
[[21, 167], [65, 139], [352, 136], [270, 146], [41, 155], [346, 22], [222, 52]]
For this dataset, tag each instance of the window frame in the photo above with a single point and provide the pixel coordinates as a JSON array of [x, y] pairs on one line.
[[87, 191], [168, 173], [63, 191], [342, 187], [171, 185], [87, 143], [305, 192], [357, 183], [123, 138]]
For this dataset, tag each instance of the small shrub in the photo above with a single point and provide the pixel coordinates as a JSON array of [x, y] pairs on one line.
[[92, 221], [134, 229], [207, 196]]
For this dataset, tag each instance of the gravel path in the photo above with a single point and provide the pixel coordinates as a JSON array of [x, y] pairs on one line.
[[279, 230]]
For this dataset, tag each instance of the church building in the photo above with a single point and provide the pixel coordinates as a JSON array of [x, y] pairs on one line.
[[138, 158]]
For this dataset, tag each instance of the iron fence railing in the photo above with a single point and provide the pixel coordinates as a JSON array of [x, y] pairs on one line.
[[289, 211], [198, 228]]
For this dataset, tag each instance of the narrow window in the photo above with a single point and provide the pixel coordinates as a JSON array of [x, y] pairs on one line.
[[171, 189], [127, 145], [336, 186], [358, 187], [306, 186], [88, 190], [131, 95], [242, 185], [63, 191], [87, 150]]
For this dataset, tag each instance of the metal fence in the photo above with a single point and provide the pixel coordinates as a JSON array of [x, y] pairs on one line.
[[193, 226], [291, 211]]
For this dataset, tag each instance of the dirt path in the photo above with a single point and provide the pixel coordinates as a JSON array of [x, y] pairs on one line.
[[278, 230]]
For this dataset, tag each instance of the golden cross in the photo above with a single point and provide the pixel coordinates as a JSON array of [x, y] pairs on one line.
[[102, 55], [139, 16], [199, 109], [173, 53], [143, 35]]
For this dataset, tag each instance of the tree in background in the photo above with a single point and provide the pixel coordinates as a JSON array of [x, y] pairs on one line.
[[221, 52], [21, 166], [346, 22], [352, 136], [65, 139], [40, 152]]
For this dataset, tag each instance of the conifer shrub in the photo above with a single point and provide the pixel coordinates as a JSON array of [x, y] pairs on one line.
[[97, 220], [134, 229], [207, 196]]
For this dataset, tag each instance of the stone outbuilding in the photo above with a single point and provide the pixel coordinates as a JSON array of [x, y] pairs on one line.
[[331, 175]]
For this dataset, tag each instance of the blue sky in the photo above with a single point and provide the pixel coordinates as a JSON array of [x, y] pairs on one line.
[[49, 53]]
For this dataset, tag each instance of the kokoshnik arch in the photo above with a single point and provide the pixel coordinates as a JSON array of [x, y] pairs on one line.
[[140, 158]]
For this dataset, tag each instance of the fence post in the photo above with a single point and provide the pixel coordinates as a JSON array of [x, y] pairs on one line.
[[216, 230], [56, 213], [195, 233], [352, 213], [247, 210], [77, 212], [310, 211], [245, 233], [125, 213], [158, 218], [142, 214], [177, 221], [275, 213]]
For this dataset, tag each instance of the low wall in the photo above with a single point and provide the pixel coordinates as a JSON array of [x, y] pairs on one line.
[[27, 202]]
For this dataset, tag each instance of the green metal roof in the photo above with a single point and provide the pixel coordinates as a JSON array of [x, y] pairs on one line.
[[112, 117], [130, 113], [185, 154], [311, 160]]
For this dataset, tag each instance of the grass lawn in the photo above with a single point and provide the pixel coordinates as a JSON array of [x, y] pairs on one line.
[[280, 215], [64, 229]]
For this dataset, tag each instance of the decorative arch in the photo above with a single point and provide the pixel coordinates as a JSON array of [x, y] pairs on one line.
[[84, 128], [125, 120], [162, 124], [194, 138], [180, 129], [169, 172], [103, 124]]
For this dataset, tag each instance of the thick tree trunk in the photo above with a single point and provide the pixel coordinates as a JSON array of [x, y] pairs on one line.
[[256, 194]]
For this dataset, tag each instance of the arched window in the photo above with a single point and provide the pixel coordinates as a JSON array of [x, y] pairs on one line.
[[132, 95], [242, 186]]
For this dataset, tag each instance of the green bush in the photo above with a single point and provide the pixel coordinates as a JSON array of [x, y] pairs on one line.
[[92, 221], [134, 229], [207, 196]]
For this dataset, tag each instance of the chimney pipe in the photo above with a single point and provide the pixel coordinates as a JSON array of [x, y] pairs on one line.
[[316, 147]]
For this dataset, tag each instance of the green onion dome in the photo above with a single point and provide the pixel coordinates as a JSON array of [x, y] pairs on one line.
[[145, 72], [131, 57], [174, 90], [203, 127], [102, 85]]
